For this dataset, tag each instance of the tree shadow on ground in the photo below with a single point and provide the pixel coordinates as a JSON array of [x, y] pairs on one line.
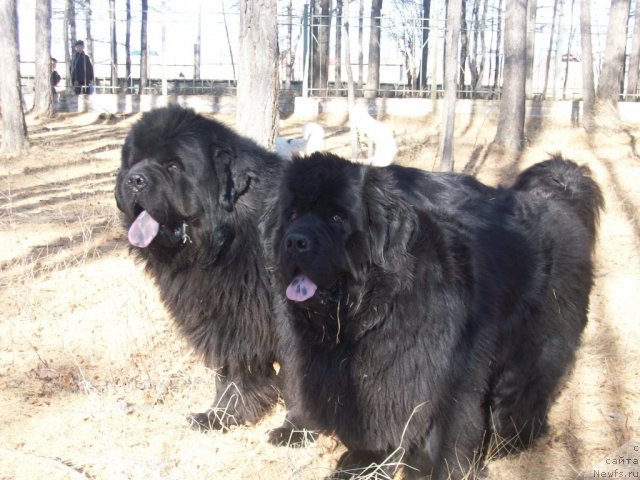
[[627, 206]]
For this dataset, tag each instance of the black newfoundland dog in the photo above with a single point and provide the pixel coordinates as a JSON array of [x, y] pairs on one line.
[[434, 321], [192, 192]]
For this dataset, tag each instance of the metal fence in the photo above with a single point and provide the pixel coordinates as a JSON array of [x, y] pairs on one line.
[[174, 30]]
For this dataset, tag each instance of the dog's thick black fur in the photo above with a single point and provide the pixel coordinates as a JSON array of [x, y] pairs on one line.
[[435, 322], [203, 189]]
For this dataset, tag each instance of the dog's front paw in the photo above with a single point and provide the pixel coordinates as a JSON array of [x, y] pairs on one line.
[[289, 437], [211, 420]]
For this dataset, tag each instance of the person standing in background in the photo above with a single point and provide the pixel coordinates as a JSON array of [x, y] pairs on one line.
[[81, 69], [55, 76]]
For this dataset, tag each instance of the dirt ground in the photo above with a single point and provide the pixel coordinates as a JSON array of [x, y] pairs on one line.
[[95, 383]]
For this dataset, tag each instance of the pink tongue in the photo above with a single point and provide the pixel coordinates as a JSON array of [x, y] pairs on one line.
[[301, 289], [143, 230]]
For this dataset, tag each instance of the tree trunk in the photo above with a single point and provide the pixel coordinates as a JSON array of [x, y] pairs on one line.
[[114, 46], [609, 81], [496, 76], [288, 63], [324, 44], [163, 43], [634, 59], [360, 44], [316, 67], [14, 129], [226, 29], [144, 50], [197, 47], [426, 12], [510, 133], [43, 95], [68, 43], [337, 81], [434, 59], [464, 45], [550, 50], [73, 31], [558, 50], [572, 31], [351, 93], [373, 76], [483, 22], [127, 44], [257, 92], [452, 34], [314, 50], [588, 89], [531, 44], [87, 22]]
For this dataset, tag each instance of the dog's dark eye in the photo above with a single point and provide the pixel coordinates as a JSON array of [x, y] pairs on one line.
[[293, 215], [174, 167], [337, 219]]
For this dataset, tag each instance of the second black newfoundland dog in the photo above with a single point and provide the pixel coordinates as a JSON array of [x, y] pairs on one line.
[[437, 325], [192, 191]]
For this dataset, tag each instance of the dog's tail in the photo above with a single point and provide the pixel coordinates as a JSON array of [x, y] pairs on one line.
[[564, 180]]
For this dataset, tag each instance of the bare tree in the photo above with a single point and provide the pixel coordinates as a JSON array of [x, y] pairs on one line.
[[405, 28], [257, 92], [360, 44], [320, 34], [337, 80], [464, 45], [588, 89], [572, 31], [43, 97], [476, 66], [452, 34], [127, 43], [197, 47], [114, 46], [373, 76], [351, 94], [558, 50], [550, 49], [610, 75], [324, 36], [73, 31], [144, 50], [496, 74], [426, 12], [68, 34], [532, 6], [634, 59], [288, 54], [14, 128], [87, 22], [510, 132], [434, 59], [226, 29]]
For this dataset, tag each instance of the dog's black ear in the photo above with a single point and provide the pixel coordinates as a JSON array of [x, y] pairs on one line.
[[234, 174], [390, 220]]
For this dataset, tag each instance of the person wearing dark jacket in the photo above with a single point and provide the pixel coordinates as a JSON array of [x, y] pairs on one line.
[[81, 69], [55, 76]]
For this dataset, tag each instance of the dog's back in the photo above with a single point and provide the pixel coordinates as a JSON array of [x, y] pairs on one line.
[[558, 206]]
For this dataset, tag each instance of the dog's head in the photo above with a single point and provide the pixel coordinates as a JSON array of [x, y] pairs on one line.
[[337, 231], [180, 180]]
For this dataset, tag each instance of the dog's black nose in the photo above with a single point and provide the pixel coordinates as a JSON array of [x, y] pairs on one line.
[[137, 182], [296, 242]]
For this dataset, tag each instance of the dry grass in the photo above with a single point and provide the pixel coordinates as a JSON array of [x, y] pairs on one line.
[[94, 382]]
